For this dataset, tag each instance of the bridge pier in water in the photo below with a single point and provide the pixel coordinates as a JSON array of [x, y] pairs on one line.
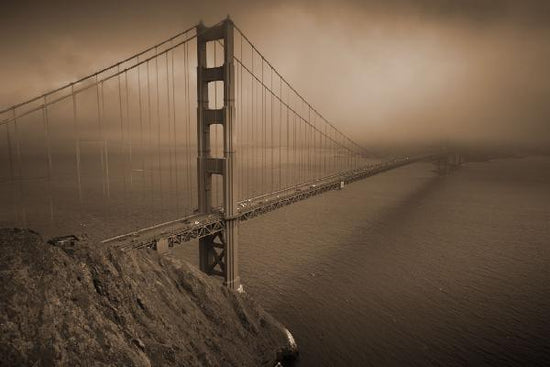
[[218, 252]]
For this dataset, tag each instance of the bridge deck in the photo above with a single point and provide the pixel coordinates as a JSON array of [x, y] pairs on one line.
[[201, 225]]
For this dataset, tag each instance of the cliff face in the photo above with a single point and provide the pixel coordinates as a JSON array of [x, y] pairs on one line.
[[89, 304]]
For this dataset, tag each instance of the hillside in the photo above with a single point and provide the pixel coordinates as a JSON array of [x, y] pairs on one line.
[[89, 304]]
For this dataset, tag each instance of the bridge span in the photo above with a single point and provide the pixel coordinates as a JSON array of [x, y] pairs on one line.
[[183, 140], [202, 225]]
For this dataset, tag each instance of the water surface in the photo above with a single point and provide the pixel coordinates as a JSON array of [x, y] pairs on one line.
[[410, 268]]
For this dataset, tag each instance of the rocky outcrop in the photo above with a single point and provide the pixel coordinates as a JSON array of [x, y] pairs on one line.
[[89, 304]]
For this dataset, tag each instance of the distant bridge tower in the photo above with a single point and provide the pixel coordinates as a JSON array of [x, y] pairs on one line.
[[218, 252], [448, 160]]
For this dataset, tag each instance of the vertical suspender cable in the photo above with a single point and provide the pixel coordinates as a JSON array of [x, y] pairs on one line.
[[188, 141], [253, 140], [302, 142], [272, 147], [314, 153], [325, 149], [280, 133], [158, 135], [121, 133], [263, 137], [175, 149], [313, 147], [245, 164], [103, 146], [241, 122], [341, 168], [309, 131], [106, 149], [12, 174], [187, 200], [333, 151], [140, 106], [129, 127], [288, 160], [100, 129], [339, 151], [305, 171], [296, 161], [77, 147], [319, 157], [150, 135], [49, 153], [169, 126], [250, 137], [338, 148], [21, 196]]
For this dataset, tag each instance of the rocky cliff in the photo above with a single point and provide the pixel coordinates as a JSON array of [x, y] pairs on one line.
[[89, 304]]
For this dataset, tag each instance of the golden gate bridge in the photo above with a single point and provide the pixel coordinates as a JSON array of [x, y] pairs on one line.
[[183, 140]]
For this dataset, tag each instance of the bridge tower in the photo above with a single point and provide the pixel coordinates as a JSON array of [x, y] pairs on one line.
[[218, 252], [448, 160]]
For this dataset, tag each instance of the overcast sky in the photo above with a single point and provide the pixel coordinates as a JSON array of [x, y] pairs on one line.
[[392, 70]]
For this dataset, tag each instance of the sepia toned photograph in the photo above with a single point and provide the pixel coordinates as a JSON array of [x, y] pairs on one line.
[[275, 183]]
